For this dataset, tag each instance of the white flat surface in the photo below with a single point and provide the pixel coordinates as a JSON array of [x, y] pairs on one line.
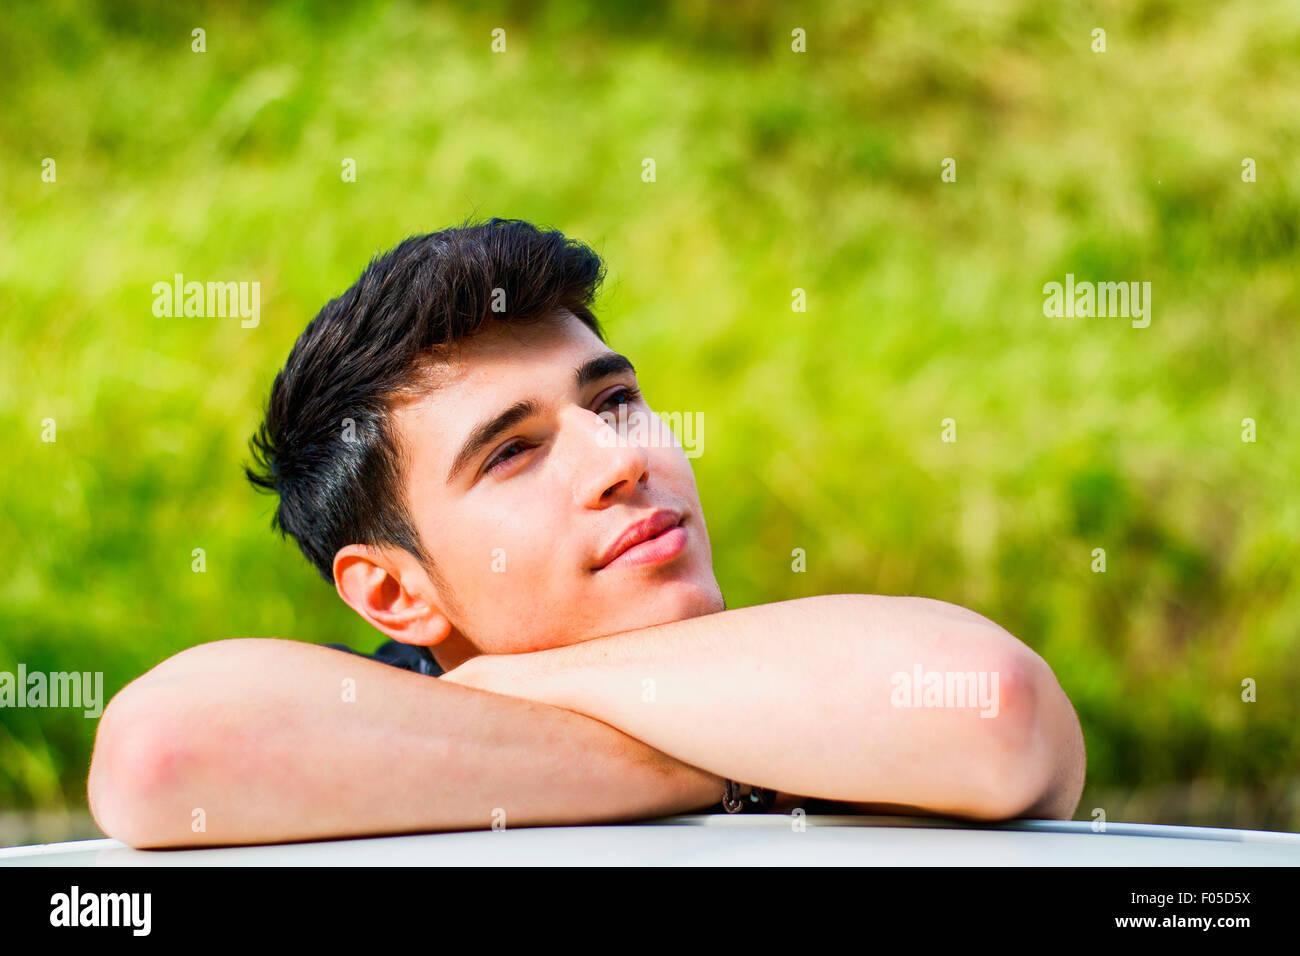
[[742, 840]]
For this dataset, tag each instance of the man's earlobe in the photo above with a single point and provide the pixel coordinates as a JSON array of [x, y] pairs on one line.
[[392, 598]]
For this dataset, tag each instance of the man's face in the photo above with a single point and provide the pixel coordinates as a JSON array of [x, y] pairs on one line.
[[520, 515]]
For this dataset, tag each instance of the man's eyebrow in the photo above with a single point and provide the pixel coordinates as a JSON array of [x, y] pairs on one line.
[[592, 370], [602, 366]]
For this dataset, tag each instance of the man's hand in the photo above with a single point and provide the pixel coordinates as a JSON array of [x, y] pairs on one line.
[[490, 672], [512, 675]]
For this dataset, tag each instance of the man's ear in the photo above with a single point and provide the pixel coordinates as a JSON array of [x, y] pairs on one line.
[[391, 594]]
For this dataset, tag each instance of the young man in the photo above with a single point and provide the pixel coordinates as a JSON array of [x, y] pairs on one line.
[[448, 443]]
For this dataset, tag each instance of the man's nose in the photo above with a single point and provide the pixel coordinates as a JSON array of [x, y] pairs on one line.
[[606, 463]]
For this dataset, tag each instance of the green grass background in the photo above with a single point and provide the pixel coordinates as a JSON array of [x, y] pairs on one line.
[[775, 171]]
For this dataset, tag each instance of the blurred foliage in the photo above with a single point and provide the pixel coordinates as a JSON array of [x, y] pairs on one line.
[[775, 171]]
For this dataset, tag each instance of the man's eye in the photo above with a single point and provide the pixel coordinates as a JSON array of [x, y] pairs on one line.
[[629, 394], [503, 457]]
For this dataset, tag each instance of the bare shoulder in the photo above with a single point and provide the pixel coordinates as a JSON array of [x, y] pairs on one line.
[[235, 652]]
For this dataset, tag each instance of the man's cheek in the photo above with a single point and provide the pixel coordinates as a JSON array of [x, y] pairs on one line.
[[681, 433]]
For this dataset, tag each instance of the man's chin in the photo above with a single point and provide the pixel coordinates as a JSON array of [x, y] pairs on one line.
[[671, 602], [659, 604]]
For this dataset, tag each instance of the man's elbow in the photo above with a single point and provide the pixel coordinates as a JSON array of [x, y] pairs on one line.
[[156, 742], [136, 785], [1038, 762]]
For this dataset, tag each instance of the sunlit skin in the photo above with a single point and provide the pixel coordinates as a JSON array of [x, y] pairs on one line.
[[518, 532]]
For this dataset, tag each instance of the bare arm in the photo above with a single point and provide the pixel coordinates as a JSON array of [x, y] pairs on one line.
[[257, 740], [805, 697]]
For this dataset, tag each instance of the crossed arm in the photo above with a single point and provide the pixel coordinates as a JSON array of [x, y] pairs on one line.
[[252, 741]]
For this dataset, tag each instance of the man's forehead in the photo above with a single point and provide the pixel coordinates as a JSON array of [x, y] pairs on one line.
[[497, 365], [491, 354]]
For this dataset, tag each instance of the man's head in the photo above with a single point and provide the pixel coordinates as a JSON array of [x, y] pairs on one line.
[[440, 439]]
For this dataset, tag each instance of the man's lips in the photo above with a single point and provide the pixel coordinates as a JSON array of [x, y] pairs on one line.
[[652, 540]]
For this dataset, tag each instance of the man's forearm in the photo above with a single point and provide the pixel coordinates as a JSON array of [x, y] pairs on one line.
[[802, 696], [259, 741]]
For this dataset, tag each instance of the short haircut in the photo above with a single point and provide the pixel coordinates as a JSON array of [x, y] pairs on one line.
[[328, 446]]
